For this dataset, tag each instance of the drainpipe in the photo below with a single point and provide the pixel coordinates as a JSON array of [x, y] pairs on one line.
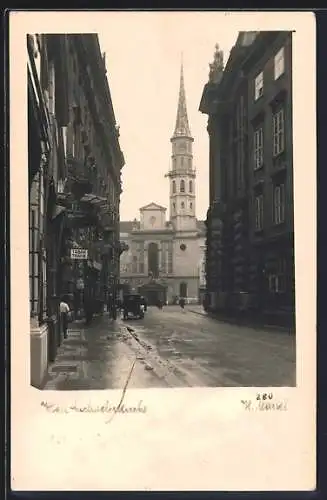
[[114, 287], [42, 228]]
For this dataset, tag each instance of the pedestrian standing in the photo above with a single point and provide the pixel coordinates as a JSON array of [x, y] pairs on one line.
[[64, 312], [144, 303], [182, 303]]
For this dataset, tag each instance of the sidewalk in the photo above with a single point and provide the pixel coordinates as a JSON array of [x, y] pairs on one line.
[[241, 322], [99, 356], [68, 365]]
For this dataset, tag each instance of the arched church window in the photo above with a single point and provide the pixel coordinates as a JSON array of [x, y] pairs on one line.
[[153, 259], [190, 186], [182, 187], [191, 205], [182, 162], [189, 163], [174, 186], [174, 163], [183, 204]]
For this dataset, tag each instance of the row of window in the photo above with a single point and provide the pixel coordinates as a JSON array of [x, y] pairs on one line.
[[187, 162], [279, 69], [278, 207], [182, 205], [139, 268], [86, 119], [182, 186], [138, 265], [278, 139]]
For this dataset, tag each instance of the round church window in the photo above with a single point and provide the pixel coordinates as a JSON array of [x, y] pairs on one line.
[[183, 247]]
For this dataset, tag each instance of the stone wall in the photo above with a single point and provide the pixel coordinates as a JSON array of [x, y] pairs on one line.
[[186, 261]]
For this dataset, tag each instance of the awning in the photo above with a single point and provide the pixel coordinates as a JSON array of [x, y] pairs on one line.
[[57, 210], [92, 264], [94, 199], [97, 265]]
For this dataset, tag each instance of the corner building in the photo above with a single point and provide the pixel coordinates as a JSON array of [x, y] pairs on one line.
[[250, 228]]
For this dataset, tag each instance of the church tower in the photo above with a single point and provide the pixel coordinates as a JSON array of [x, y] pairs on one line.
[[182, 174]]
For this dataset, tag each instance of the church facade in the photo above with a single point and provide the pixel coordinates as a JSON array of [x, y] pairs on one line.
[[165, 255]]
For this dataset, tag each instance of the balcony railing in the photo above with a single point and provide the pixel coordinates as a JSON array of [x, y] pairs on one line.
[[181, 170]]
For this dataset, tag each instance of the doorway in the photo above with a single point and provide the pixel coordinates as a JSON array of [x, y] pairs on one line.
[[183, 289], [153, 293]]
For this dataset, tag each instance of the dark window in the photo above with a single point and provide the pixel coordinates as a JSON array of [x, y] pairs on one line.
[[174, 186], [258, 148], [277, 279], [182, 186], [258, 206], [278, 132], [183, 289], [134, 264], [153, 259], [279, 204], [258, 86], [279, 63], [190, 186]]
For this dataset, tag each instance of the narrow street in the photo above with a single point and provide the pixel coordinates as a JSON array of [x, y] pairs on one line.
[[172, 348]]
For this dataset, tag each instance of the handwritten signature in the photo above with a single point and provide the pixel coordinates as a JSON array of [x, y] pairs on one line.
[[249, 405], [107, 407]]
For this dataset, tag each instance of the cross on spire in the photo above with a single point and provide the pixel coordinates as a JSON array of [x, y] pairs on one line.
[[182, 127]]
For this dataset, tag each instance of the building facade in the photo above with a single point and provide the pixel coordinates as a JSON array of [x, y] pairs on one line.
[[164, 255], [92, 192], [47, 117], [250, 229], [75, 183]]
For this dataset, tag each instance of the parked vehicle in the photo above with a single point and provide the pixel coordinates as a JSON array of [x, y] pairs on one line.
[[133, 305]]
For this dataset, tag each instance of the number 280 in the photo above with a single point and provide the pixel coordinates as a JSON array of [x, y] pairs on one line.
[[262, 396]]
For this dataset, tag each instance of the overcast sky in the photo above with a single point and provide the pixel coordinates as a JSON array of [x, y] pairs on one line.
[[143, 58]]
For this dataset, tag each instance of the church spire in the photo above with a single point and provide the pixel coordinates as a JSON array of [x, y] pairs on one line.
[[182, 127]]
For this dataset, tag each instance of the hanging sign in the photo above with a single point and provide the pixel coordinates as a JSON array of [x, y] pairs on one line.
[[79, 253]]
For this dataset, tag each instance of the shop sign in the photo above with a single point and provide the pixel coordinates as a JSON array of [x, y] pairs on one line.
[[79, 254]]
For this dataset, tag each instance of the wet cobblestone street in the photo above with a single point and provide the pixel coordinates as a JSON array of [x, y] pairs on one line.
[[171, 348]]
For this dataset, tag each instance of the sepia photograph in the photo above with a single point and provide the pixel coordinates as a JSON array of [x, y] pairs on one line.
[[161, 225], [162, 250]]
